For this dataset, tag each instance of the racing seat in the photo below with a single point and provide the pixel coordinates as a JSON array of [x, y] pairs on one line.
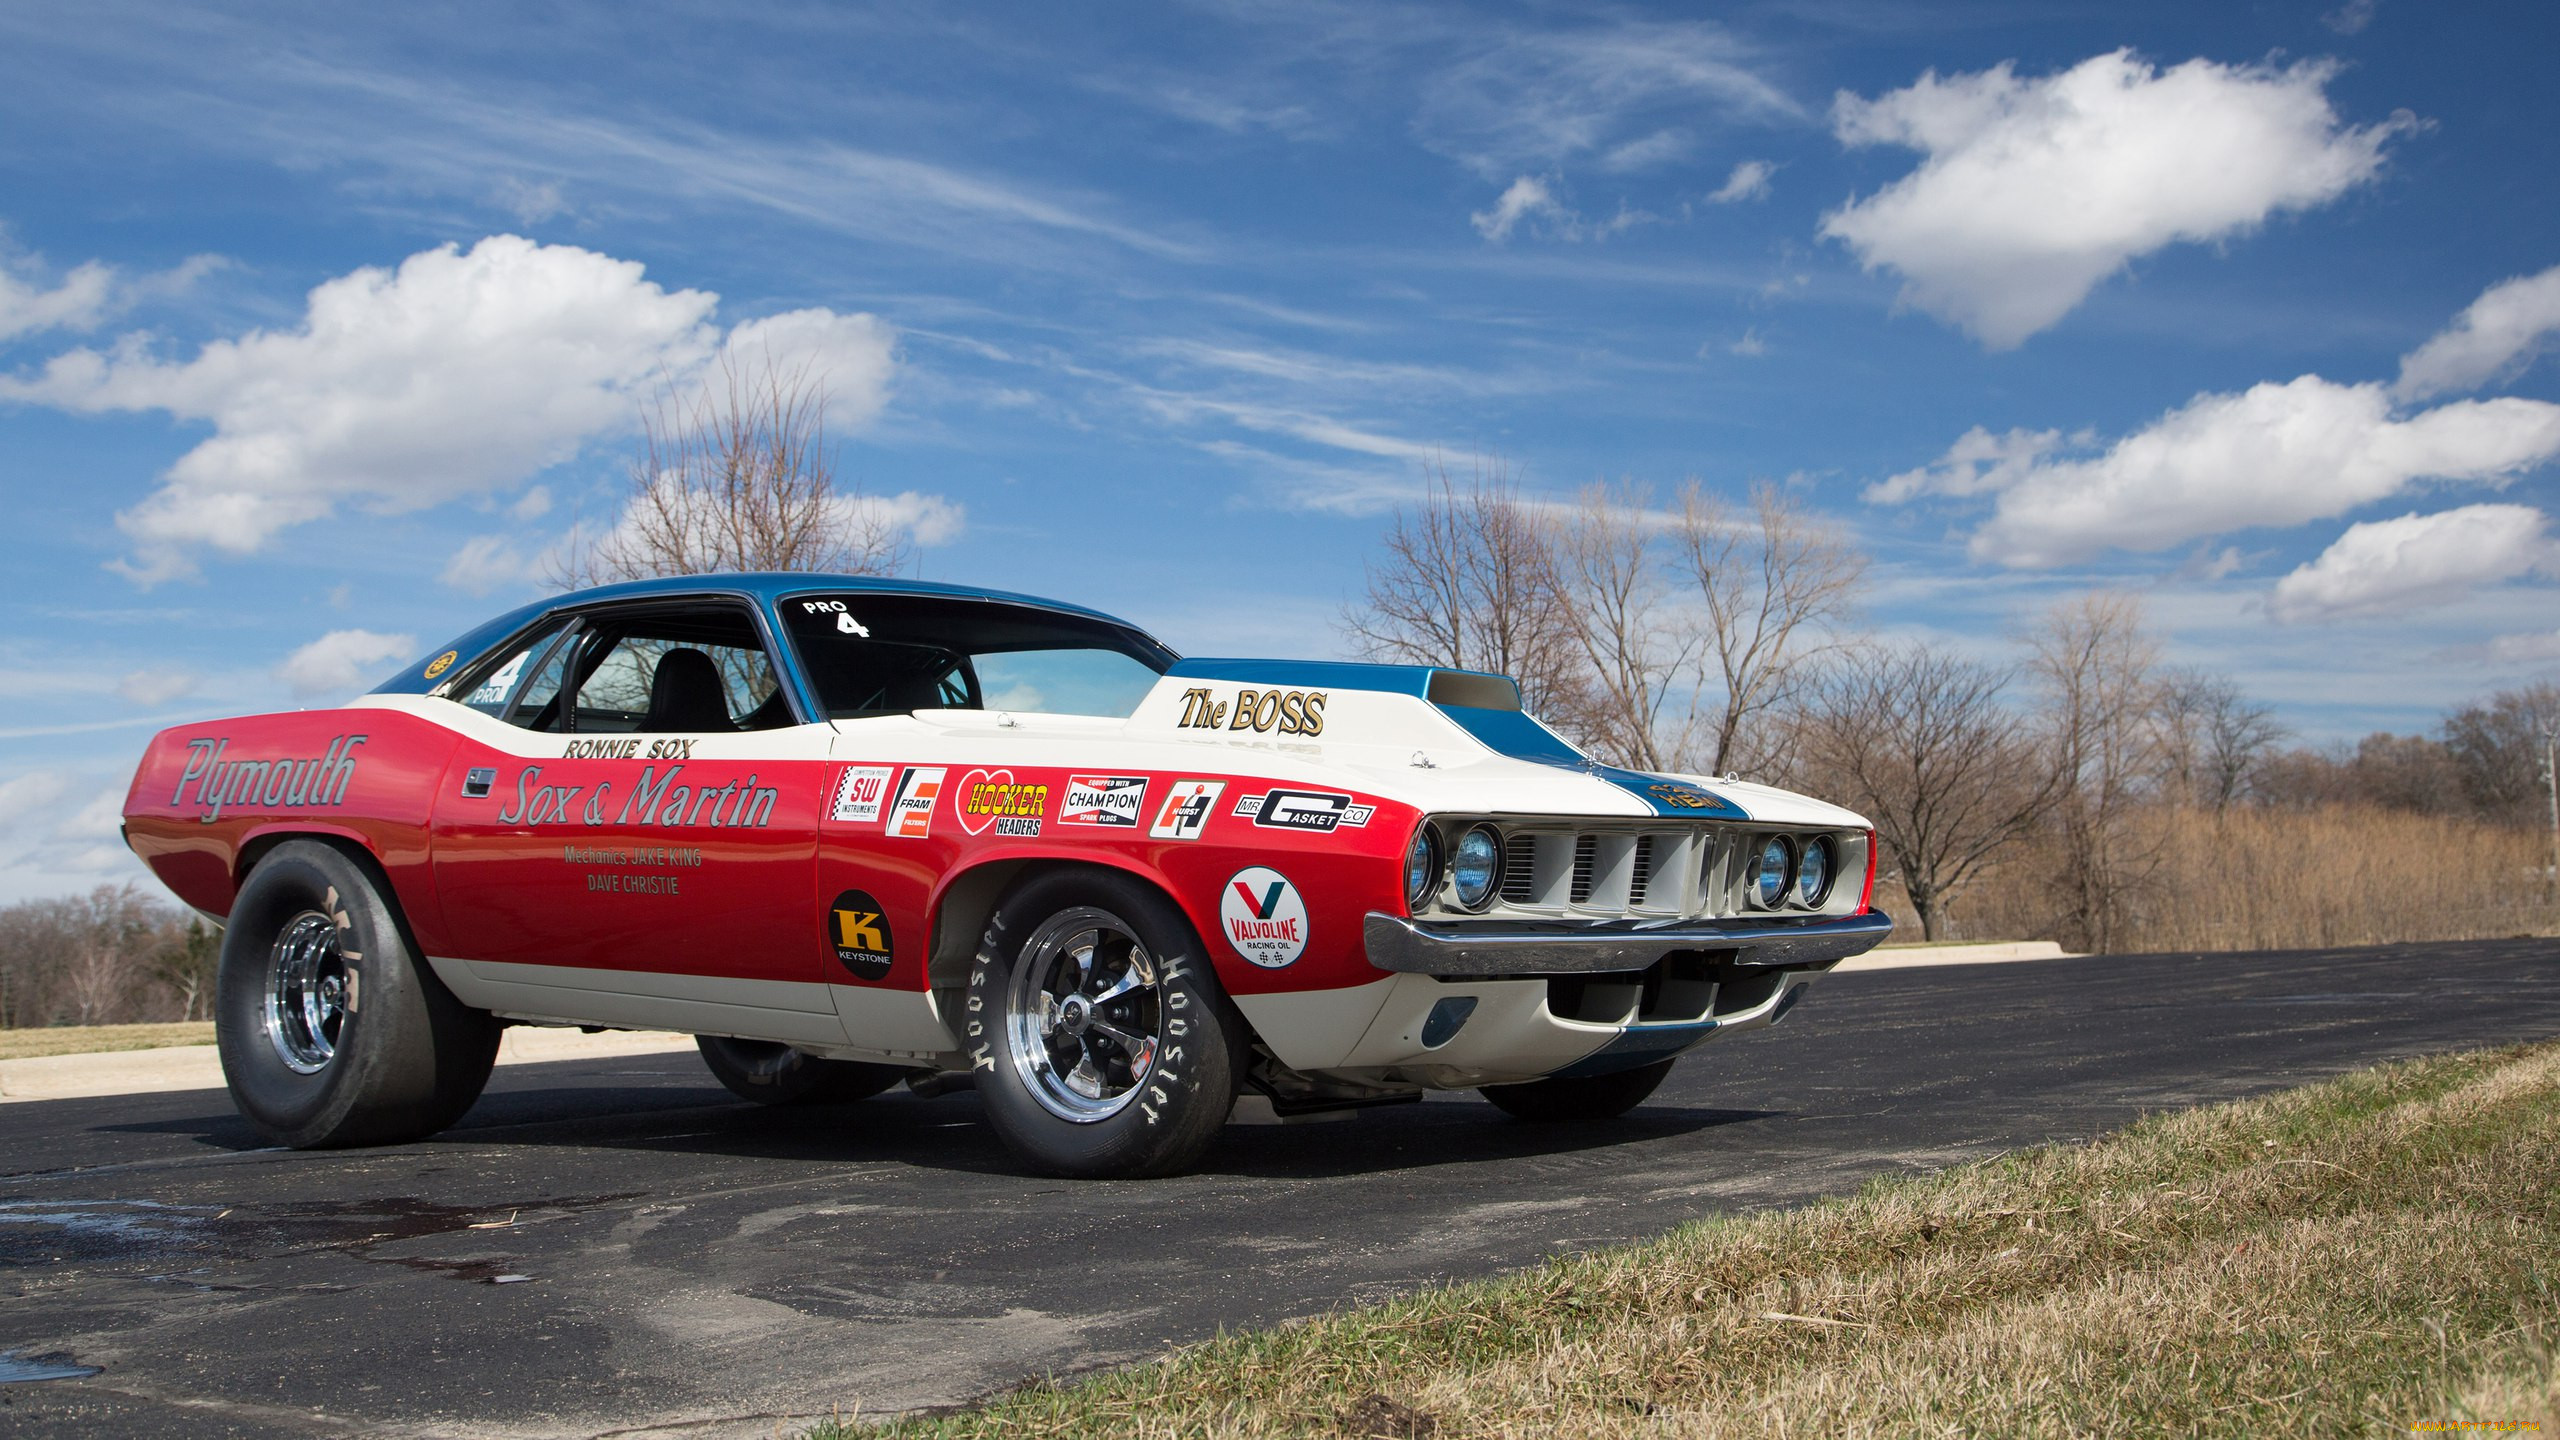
[[686, 695]]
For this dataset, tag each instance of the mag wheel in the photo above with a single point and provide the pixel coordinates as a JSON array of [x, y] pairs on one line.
[[1579, 1097], [330, 1029], [770, 1073], [1102, 1043]]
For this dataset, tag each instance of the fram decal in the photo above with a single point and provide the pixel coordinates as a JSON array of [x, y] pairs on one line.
[[286, 783], [911, 814], [858, 931], [1264, 917], [994, 797], [1108, 800], [1186, 809], [1322, 811], [860, 792]]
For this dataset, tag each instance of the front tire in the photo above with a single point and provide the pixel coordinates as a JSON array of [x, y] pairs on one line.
[[1102, 1042], [331, 1030], [769, 1073], [1561, 1098]]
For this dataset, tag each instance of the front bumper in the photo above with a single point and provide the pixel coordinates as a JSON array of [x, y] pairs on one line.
[[1460, 947]]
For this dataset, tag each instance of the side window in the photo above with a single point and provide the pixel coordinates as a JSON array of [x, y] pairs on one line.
[[668, 672], [520, 686]]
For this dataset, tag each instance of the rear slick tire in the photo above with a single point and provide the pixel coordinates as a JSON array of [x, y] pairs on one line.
[[771, 1073], [332, 1031], [1560, 1098]]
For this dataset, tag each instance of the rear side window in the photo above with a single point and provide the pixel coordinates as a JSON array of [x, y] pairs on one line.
[[871, 654]]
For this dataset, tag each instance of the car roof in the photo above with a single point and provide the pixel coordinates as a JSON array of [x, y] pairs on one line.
[[764, 587]]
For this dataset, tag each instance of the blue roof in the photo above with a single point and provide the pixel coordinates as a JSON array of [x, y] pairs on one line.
[[762, 586]]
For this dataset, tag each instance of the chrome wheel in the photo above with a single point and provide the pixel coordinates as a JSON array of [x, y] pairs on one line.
[[308, 992], [1084, 1015]]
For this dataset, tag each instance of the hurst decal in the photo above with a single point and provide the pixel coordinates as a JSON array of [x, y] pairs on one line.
[[911, 814], [858, 931], [994, 797], [284, 783], [1264, 712], [1264, 916], [1115, 801], [860, 792], [653, 799], [1186, 809], [1321, 811]]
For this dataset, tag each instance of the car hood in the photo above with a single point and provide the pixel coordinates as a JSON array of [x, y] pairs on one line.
[[1447, 741]]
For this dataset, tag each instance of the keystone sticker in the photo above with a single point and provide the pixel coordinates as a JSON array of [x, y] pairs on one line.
[[1112, 800], [859, 933], [859, 793], [1264, 917], [911, 814], [1186, 809]]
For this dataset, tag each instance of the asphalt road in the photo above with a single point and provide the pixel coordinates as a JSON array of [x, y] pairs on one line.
[[696, 1266]]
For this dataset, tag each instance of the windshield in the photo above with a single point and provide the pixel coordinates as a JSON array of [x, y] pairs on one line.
[[870, 654]]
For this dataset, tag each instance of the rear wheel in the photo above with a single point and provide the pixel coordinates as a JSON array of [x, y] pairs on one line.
[[331, 1030], [1102, 1042], [1579, 1097], [774, 1074]]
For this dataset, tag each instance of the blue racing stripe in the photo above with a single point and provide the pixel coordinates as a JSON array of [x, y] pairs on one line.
[[1513, 733]]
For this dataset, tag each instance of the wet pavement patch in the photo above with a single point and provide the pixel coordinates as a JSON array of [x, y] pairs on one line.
[[17, 1369]]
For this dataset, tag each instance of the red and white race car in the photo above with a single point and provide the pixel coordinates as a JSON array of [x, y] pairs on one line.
[[849, 831]]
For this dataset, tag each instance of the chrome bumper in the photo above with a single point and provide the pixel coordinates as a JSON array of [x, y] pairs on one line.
[[1460, 947]]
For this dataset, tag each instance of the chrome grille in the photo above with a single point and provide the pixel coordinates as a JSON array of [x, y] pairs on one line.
[[1586, 857], [1595, 869], [1643, 878]]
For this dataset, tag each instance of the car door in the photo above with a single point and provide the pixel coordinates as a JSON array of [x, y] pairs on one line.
[[641, 820]]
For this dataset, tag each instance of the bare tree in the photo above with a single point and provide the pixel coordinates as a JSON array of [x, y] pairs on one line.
[[1611, 593], [2496, 744], [1772, 583], [1469, 581], [734, 474], [1922, 743], [2215, 742], [2098, 665]]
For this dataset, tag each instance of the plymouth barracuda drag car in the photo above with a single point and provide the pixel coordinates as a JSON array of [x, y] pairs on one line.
[[851, 831]]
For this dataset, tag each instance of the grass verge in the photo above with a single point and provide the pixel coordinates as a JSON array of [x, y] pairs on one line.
[[99, 1039], [2356, 1258]]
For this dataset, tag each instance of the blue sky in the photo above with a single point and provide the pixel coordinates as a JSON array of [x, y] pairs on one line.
[[318, 326]]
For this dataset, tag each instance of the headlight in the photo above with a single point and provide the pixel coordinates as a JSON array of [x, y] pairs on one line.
[[1421, 867], [1813, 874], [1775, 869], [1477, 867]]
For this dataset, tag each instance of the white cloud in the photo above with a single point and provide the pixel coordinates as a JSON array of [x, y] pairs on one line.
[[30, 793], [458, 374], [532, 504], [1978, 463], [2352, 17], [2526, 649], [2393, 567], [2499, 333], [152, 689], [2274, 455], [343, 662], [1749, 181], [485, 563], [1750, 345], [849, 357], [1527, 196], [927, 519], [1534, 99], [77, 303], [2032, 191], [1659, 148]]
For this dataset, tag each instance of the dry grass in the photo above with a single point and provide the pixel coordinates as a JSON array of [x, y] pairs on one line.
[[2348, 1259], [2293, 880], [99, 1039]]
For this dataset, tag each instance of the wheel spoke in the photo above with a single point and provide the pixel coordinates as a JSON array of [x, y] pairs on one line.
[[1138, 1050]]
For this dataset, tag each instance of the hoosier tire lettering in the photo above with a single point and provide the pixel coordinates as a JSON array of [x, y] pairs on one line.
[[1110, 1049]]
